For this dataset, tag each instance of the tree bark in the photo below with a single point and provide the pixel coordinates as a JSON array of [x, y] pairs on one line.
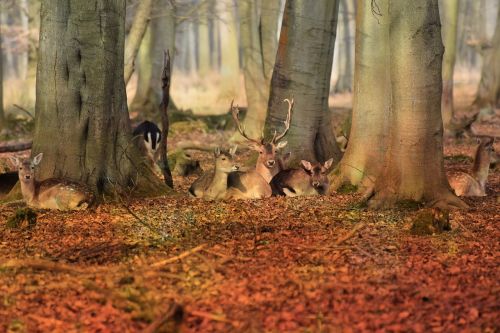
[[413, 166], [344, 82], [450, 14], [302, 71], [82, 124], [368, 137], [160, 36], [488, 92], [135, 36]]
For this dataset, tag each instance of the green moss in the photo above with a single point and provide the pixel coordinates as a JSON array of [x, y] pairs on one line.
[[185, 127], [347, 188], [25, 215], [459, 158], [430, 221], [408, 204]]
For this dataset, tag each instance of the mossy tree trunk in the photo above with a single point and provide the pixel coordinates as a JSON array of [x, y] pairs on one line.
[[488, 93], [413, 165], [82, 124], [360, 164], [160, 36], [302, 71], [450, 15]]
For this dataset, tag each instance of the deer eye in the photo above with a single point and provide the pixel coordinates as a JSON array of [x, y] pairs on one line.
[[20, 168], [260, 152], [223, 158]]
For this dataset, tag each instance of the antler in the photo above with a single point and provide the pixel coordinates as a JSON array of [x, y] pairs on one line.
[[276, 137], [235, 112]]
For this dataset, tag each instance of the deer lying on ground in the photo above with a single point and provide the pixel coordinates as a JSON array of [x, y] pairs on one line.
[[212, 185], [52, 193], [150, 141], [310, 179], [254, 183], [474, 185]]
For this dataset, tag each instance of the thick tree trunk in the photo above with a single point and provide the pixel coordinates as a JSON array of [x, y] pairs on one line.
[[413, 167], [344, 82], [302, 71], [160, 36], [368, 138], [82, 123], [488, 93], [137, 31], [450, 13]]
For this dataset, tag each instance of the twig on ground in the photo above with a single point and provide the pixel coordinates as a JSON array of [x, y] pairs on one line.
[[215, 317], [144, 223], [179, 257], [174, 314], [350, 234], [40, 264]]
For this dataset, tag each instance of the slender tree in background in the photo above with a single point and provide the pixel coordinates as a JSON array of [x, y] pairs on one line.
[[368, 139], [229, 55], [344, 82], [82, 124], [302, 70], [160, 36], [203, 39], [413, 166], [2, 114], [135, 36], [258, 42], [450, 15], [488, 92]]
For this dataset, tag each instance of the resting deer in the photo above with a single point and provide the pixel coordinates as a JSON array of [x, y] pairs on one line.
[[52, 193], [254, 184], [212, 185], [311, 179], [474, 185]]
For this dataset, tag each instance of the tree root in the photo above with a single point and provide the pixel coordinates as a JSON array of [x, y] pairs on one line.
[[444, 200]]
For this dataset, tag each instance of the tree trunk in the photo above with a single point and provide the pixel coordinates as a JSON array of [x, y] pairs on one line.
[[257, 80], [488, 93], [230, 66], [344, 82], [450, 14], [137, 31], [22, 59], [204, 40], [413, 167], [269, 17], [360, 164], [302, 71], [160, 36], [82, 123]]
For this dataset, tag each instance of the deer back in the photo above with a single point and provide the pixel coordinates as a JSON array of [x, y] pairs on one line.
[[247, 185], [62, 194]]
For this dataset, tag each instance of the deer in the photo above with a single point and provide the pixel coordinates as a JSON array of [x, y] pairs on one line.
[[474, 184], [151, 138], [51, 193], [212, 185], [311, 179], [255, 183]]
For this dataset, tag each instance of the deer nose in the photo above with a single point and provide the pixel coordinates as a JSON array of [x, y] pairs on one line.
[[27, 177], [236, 167], [270, 163], [315, 184]]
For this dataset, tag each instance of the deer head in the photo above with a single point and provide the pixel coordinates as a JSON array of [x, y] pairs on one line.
[[224, 161], [318, 174], [268, 151], [26, 168]]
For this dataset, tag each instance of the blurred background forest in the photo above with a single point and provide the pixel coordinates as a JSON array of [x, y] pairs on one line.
[[209, 50]]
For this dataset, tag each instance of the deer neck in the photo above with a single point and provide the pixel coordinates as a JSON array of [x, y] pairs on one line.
[[481, 166], [219, 182], [265, 172], [28, 190]]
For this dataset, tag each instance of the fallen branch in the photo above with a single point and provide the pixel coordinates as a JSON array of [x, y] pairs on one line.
[[40, 264], [195, 145], [179, 257], [350, 234], [174, 315], [24, 110], [15, 147], [215, 317]]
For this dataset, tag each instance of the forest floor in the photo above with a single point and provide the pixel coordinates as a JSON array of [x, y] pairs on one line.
[[317, 264]]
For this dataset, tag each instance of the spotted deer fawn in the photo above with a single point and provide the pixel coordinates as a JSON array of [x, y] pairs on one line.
[[212, 185], [52, 193], [474, 185], [310, 179], [254, 183]]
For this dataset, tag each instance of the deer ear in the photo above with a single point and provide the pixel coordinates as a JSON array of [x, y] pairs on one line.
[[306, 164], [38, 159], [328, 163], [217, 152], [281, 144], [15, 161]]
